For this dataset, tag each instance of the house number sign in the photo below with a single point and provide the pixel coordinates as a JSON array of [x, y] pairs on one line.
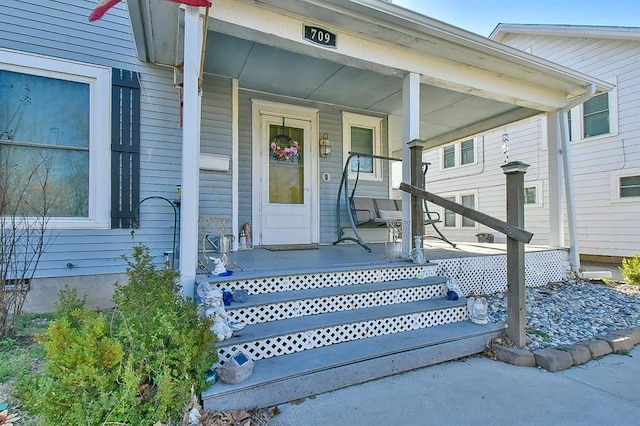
[[320, 36]]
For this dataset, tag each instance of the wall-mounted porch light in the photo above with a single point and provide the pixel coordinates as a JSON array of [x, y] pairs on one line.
[[325, 146]]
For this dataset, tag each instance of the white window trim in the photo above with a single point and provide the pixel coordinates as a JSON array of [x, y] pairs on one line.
[[458, 199], [614, 191], [577, 122], [539, 195], [458, 155], [369, 122], [99, 80]]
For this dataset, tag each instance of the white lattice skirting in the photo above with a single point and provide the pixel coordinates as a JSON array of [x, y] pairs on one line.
[[291, 343], [343, 302], [327, 279], [488, 274]]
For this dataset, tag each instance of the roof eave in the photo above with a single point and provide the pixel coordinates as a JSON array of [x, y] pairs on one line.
[[404, 21], [583, 31]]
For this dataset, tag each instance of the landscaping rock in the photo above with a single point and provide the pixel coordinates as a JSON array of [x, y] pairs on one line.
[[580, 354], [553, 360], [515, 356], [617, 342]]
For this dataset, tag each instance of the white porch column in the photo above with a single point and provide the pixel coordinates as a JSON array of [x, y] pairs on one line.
[[193, 25], [410, 131], [235, 150], [556, 216]]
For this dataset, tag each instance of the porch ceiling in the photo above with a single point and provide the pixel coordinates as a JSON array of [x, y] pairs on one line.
[[272, 62], [274, 70]]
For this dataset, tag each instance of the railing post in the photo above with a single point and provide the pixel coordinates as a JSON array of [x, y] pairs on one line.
[[417, 180], [516, 286]]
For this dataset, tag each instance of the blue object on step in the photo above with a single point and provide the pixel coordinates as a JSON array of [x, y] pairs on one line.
[[227, 298], [452, 295]]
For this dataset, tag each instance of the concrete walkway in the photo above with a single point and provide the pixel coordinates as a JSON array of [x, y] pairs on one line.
[[477, 391]]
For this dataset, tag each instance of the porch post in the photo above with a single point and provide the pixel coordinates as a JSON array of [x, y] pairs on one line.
[[411, 131], [556, 220], [516, 286], [190, 151], [417, 224]]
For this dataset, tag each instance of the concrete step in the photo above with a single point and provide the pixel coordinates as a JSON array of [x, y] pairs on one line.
[[276, 338], [298, 375], [267, 307]]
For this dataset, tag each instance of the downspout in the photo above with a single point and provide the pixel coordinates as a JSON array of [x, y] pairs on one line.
[[563, 125]]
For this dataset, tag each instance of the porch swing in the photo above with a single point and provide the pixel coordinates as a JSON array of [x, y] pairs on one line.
[[369, 212]]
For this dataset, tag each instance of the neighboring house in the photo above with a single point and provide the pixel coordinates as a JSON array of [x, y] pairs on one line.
[[122, 108], [604, 150]]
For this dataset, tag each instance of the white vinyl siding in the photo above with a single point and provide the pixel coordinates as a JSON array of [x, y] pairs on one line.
[[606, 222]]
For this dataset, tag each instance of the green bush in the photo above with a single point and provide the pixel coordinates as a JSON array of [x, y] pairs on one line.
[[631, 269], [137, 364]]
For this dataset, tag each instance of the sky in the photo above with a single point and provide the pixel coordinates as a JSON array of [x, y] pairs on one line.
[[482, 16]]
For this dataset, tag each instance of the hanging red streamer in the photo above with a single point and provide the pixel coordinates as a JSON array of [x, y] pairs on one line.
[[105, 5]]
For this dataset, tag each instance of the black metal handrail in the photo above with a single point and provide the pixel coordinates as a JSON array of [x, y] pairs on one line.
[[347, 198]]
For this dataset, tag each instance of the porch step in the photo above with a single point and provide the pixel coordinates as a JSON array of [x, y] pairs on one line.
[[276, 338], [267, 307], [309, 333], [288, 377]]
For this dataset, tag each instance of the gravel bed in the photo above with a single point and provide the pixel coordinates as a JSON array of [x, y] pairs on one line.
[[572, 311]]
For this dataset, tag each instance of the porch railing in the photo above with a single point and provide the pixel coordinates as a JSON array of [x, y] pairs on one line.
[[517, 236], [510, 230]]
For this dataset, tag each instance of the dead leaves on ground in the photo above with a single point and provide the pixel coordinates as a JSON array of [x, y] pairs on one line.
[[7, 419], [255, 417]]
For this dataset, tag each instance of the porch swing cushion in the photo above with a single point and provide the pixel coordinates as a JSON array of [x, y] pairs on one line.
[[372, 212]]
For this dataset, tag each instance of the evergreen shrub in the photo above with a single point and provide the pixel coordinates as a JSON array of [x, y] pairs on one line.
[[137, 364], [631, 269]]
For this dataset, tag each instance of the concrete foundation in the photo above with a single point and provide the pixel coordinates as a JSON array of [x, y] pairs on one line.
[[98, 289]]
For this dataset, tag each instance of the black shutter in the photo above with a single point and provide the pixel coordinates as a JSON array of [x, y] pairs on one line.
[[125, 148]]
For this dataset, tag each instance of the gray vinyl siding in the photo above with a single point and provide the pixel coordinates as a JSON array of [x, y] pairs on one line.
[[605, 226], [215, 138], [60, 29]]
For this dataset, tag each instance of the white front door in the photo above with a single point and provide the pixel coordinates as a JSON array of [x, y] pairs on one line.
[[287, 187]]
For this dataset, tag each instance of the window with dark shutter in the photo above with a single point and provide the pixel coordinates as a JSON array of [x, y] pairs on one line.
[[125, 148]]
